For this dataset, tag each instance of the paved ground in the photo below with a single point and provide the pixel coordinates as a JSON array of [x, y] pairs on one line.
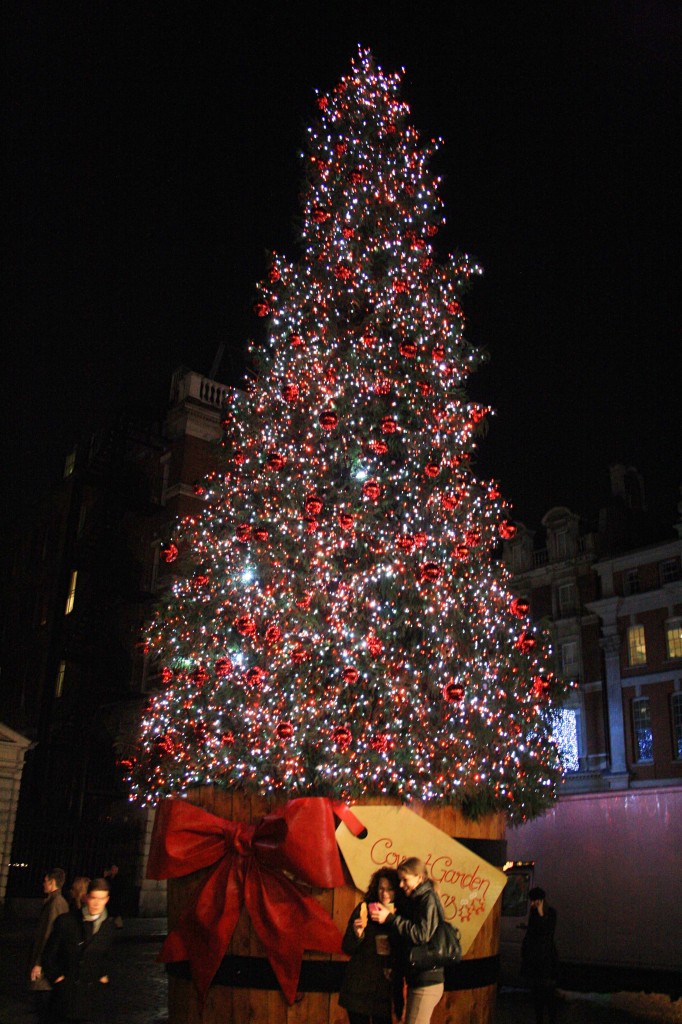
[[139, 992]]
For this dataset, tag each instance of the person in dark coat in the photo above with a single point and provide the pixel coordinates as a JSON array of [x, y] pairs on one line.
[[52, 908], [539, 959], [371, 983], [76, 954], [414, 923]]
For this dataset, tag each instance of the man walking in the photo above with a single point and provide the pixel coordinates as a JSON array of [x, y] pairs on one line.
[[76, 953], [52, 908]]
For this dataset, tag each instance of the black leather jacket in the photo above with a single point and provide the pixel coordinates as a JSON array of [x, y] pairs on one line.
[[415, 924]]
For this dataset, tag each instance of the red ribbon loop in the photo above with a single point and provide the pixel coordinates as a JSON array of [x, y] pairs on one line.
[[249, 862]]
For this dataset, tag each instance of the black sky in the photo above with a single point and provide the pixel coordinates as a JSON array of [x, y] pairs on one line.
[[153, 163]]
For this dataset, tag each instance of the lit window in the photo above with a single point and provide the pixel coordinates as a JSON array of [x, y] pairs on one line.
[[565, 735], [69, 464], [636, 645], [569, 657], [641, 723], [71, 596], [59, 683], [669, 570], [567, 598], [676, 716], [673, 638]]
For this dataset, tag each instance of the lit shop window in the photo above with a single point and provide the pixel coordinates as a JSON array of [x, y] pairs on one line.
[[636, 646], [673, 638], [565, 735], [641, 724], [59, 682], [676, 716], [71, 596]]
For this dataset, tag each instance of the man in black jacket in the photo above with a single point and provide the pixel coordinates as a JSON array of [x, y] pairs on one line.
[[539, 958], [75, 956]]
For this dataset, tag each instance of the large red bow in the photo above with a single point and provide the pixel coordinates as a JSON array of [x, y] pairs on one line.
[[249, 864]]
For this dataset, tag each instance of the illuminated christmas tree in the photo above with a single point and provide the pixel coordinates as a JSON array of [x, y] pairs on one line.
[[342, 624]]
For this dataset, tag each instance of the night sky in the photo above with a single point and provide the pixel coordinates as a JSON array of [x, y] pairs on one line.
[[153, 153]]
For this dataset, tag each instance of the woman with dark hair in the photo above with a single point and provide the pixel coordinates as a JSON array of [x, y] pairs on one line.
[[414, 924], [371, 984]]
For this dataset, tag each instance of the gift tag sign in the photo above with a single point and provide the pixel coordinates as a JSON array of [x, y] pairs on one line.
[[467, 885]]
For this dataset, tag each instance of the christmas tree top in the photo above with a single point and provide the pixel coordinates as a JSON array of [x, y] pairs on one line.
[[341, 623]]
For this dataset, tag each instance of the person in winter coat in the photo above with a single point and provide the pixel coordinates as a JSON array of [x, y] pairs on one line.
[[371, 982], [539, 958], [76, 953], [414, 924], [52, 908]]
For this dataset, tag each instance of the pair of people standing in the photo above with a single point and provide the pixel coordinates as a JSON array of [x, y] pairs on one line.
[[400, 910]]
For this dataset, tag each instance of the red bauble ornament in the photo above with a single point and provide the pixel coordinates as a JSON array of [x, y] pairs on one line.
[[449, 502], [453, 691], [493, 492], [273, 634], [388, 425], [260, 534], [420, 539], [541, 686], [431, 572], [261, 309], [342, 737], [345, 521], [379, 743], [284, 730], [379, 446], [371, 489], [227, 739], [438, 353], [299, 655], [356, 177], [169, 553], [477, 415], [461, 552], [274, 274], [341, 148], [199, 490], [473, 537], [342, 272], [200, 581], [520, 607], [425, 263], [382, 385], [526, 642], [223, 667], [350, 676], [408, 349], [506, 530], [255, 676], [328, 420], [322, 102], [453, 307], [369, 339], [245, 625], [374, 646], [243, 531], [297, 340], [166, 675], [347, 232], [305, 601], [311, 525], [424, 387], [275, 461], [199, 675], [400, 285], [405, 542], [239, 458], [313, 506], [432, 469], [290, 392]]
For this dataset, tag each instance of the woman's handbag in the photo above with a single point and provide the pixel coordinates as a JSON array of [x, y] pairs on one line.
[[443, 948]]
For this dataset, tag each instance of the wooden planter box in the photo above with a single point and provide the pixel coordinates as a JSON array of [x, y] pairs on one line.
[[245, 991]]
